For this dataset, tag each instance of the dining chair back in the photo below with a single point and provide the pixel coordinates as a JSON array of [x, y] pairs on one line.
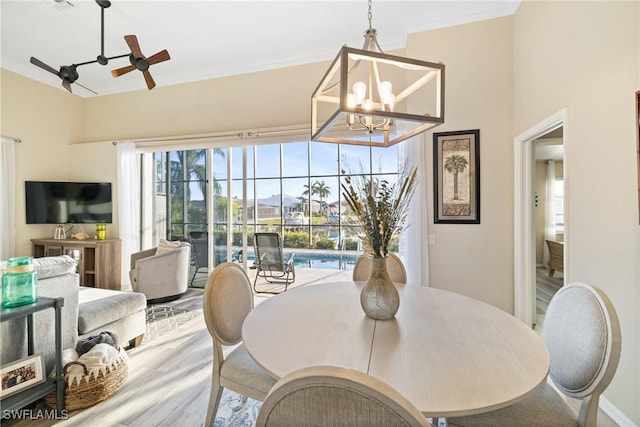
[[582, 334], [395, 268], [227, 300], [336, 396]]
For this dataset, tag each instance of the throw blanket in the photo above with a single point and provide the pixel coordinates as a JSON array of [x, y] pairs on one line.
[[96, 360]]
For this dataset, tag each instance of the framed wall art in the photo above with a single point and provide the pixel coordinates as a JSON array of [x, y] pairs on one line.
[[456, 177], [21, 374]]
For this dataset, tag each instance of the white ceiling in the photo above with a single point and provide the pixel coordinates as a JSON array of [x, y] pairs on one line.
[[208, 39]]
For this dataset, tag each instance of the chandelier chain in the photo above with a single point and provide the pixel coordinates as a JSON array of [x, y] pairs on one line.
[[370, 15]]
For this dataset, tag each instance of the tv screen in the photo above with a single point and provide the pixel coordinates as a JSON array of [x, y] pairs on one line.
[[49, 202]]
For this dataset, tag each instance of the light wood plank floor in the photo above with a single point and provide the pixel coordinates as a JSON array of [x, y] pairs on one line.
[[169, 377]]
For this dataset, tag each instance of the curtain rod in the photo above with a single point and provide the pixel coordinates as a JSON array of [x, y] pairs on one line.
[[238, 134], [189, 138], [16, 140]]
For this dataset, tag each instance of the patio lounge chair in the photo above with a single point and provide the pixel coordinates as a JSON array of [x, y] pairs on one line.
[[269, 262], [199, 252]]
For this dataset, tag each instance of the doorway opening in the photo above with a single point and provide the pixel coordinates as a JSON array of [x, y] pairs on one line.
[[549, 219], [529, 240]]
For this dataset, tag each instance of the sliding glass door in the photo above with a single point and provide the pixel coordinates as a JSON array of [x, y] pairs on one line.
[[217, 198]]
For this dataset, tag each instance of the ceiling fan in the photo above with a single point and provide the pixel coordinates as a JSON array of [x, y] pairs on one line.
[[140, 62], [68, 73]]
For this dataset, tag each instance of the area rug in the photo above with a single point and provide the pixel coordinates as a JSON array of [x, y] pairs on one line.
[[233, 413], [162, 319]]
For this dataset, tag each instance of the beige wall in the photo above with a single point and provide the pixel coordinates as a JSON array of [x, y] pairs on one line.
[[586, 56], [267, 99], [476, 260], [47, 120], [96, 162], [502, 76]]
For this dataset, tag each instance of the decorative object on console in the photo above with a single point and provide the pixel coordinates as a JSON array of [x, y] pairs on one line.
[[60, 233], [381, 209], [68, 73], [101, 231], [378, 112], [80, 236], [19, 282]]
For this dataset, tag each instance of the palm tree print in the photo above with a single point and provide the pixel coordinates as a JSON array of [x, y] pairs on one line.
[[455, 164]]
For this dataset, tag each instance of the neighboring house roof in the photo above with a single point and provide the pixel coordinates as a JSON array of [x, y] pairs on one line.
[[274, 200]]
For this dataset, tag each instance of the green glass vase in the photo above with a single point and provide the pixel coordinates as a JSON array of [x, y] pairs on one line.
[[19, 282]]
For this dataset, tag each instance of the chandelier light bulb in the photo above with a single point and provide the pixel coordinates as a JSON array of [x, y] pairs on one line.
[[368, 104], [359, 91], [351, 100], [385, 90], [390, 101]]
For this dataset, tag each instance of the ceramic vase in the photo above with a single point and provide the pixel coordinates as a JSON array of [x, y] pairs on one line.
[[379, 297]]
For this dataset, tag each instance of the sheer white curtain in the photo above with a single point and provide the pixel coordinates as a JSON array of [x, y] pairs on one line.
[[128, 206], [550, 214], [7, 198], [414, 241]]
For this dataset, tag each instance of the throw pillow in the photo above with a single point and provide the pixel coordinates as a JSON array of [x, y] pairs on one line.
[[165, 246]]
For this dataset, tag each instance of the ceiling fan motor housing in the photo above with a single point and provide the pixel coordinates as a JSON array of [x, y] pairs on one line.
[[69, 73], [141, 64]]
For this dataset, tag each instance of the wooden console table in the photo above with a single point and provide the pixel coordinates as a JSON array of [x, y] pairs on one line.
[[98, 260]]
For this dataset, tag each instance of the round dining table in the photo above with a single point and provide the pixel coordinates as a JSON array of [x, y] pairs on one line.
[[448, 354]]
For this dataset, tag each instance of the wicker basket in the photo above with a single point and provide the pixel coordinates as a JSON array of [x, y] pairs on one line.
[[91, 387]]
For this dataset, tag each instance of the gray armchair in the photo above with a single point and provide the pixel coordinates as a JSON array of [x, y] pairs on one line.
[[161, 277]]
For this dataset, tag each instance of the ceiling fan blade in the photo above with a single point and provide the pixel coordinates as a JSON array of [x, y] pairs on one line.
[[123, 70], [147, 78], [38, 63], [84, 87], [132, 42], [66, 85], [161, 56]]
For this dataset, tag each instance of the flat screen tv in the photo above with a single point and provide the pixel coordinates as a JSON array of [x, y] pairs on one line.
[[49, 202]]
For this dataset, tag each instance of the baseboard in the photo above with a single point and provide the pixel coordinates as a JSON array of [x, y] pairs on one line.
[[615, 414]]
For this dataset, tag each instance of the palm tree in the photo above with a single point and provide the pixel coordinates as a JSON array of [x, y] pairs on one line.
[[189, 165], [322, 190], [455, 164]]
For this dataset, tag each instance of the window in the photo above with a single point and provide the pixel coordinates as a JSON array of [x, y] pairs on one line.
[[290, 188], [558, 200]]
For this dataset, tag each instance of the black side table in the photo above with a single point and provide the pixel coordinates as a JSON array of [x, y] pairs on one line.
[[23, 398]]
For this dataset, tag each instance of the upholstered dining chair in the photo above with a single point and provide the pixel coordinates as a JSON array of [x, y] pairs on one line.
[[395, 268], [335, 396], [582, 333], [227, 300]]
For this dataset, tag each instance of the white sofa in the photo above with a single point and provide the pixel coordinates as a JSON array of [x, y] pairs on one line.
[[86, 312]]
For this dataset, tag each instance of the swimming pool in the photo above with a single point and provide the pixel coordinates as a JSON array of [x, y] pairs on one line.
[[327, 261], [335, 261]]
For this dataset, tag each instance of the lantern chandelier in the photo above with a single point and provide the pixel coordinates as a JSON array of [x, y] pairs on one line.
[[368, 97]]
